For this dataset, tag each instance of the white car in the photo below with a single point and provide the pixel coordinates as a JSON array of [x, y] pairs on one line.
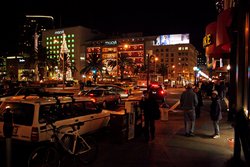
[[30, 116], [123, 92]]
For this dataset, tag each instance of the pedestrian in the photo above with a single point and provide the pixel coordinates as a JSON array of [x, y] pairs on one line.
[[149, 107], [200, 102], [215, 113], [188, 102]]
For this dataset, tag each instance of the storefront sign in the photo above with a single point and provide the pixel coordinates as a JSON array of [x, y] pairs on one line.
[[207, 40], [110, 42], [59, 32]]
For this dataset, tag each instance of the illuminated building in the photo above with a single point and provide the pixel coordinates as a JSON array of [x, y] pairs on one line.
[[110, 49], [75, 37], [175, 52]]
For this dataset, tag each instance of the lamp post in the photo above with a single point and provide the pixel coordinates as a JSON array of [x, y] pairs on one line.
[[228, 72], [156, 59], [195, 74]]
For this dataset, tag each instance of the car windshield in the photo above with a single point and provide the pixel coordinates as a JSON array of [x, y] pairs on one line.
[[22, 113]]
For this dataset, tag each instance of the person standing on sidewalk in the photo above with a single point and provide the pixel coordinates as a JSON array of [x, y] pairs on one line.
[[215, 113], [188, 102], [149, 106], [200, 102]]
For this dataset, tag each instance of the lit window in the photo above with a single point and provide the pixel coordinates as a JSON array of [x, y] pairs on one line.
[[69, 46], [47, 38], [69, 36], [50, 38], [69, 40], [73, 40], [73, 45], [186, 48], [179, 48], [72, 61], [47, 43], [73, 50], [72, 35], [73, 55]]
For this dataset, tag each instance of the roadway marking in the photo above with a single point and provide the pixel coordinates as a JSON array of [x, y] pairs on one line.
[[174, 106]]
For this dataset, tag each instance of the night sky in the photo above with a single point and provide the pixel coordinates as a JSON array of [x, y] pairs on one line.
[[113, 16]]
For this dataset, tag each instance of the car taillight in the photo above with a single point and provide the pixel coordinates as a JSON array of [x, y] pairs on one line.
[[162, 92], [34, 134]]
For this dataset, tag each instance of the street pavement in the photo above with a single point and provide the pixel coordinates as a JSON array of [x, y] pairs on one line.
[[171, 148]]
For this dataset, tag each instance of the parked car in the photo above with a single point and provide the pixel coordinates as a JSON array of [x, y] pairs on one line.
[[123, 92], [30, 115], [103, 97], [21, 92], [127, 86], [70, 83]]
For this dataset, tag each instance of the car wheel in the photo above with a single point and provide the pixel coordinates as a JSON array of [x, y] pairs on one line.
[[119, 101], [104, 104]]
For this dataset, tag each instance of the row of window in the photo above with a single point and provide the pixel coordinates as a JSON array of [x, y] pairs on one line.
[[58, 47], [167, 49], [59, 42]]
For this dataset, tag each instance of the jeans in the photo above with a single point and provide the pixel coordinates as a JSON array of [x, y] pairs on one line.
[[189, 121], [149, 128], [216, 127]]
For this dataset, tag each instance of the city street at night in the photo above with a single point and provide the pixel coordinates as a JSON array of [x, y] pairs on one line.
[[170, 147]]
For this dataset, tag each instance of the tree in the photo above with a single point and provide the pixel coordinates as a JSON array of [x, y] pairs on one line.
[[163, 70], [95, 64], [123, 62]]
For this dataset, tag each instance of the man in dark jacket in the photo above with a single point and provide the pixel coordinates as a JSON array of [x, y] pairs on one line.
[[149, 106], [188, 102]]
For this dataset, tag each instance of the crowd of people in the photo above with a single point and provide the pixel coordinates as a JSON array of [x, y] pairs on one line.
[[191, 102]]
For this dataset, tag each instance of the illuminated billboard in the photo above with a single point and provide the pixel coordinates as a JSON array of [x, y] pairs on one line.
[[172, 39]]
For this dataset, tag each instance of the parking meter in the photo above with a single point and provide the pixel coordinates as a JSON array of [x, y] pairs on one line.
[[8, 123]]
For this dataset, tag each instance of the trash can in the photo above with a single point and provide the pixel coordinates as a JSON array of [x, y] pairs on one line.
[[119, 127]]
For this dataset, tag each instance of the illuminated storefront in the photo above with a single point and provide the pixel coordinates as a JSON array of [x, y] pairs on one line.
[[110, 50]]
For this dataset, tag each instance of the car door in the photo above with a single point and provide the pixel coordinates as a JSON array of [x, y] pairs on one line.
[[97, 118]]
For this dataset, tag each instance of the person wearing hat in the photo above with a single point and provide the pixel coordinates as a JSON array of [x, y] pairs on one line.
[[215, 113]]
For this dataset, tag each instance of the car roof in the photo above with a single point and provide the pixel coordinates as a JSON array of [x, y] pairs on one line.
[[47, 100]]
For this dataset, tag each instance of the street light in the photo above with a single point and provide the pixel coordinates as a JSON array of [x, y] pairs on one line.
[[228, 72], [156, 59]]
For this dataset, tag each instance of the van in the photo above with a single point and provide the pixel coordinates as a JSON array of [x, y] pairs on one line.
[[30, 116]]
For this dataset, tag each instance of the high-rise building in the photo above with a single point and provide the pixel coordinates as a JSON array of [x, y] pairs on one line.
[[31, 36]]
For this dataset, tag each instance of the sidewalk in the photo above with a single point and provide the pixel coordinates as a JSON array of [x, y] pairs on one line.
[[171, 148]]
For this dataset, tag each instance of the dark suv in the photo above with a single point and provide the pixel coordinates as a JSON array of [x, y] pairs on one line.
[[158, 92]]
